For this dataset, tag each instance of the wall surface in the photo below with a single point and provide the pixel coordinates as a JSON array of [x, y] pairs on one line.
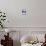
[[34, 20], [35, 17]]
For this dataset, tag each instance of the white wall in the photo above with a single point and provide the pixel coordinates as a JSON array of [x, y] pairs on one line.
[[35, 20], [36, 12]]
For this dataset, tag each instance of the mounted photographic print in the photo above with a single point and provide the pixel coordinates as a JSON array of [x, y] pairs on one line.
[[24, 11]]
